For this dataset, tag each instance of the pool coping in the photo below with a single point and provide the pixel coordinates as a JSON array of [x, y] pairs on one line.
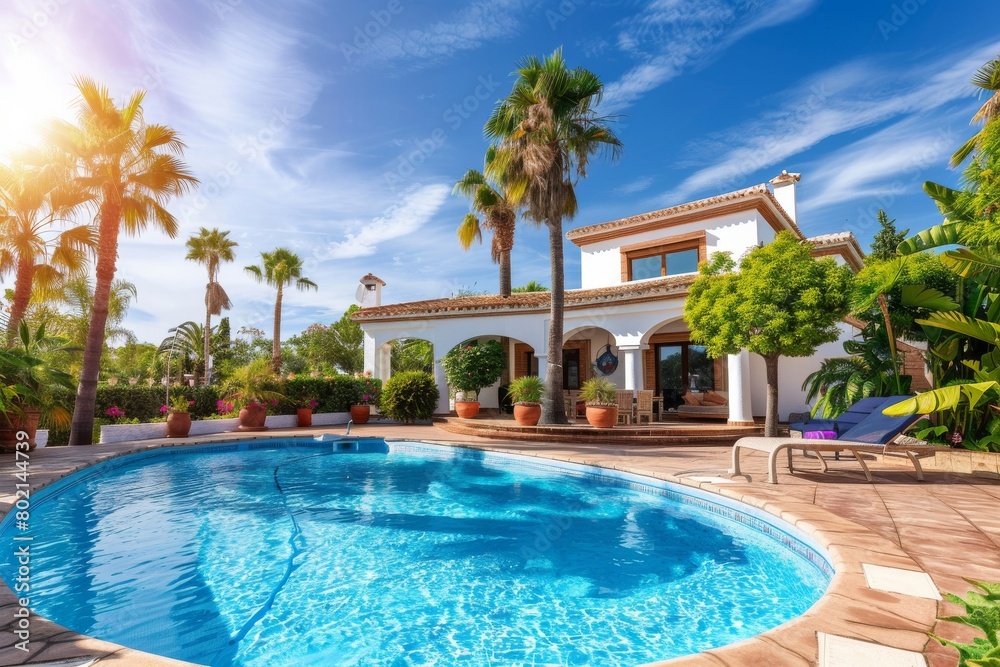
[[849, 608]]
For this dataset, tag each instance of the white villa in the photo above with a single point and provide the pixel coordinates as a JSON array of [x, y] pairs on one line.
[[635, 276]]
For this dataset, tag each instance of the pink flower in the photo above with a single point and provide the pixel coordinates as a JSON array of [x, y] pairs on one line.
[[164, 408]]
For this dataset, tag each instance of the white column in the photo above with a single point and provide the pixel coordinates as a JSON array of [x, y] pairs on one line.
[[444, 405], [369, 353], [541, 366], [740, 413], [633, 366], [384, 363]]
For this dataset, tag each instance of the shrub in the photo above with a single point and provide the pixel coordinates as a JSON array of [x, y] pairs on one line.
[[599, 391], [526, 389], [410, 395], [469, 368]]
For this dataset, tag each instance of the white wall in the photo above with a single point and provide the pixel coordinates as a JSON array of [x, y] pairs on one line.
[[600, 263], [792, 372]]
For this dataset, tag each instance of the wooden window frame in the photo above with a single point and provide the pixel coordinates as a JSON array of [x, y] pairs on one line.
[[693, 241]]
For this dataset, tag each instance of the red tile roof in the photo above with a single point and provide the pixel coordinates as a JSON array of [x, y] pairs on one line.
[[760, 191], [521, 302]]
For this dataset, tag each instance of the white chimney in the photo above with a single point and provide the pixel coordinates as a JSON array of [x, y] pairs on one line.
[[783, 187], [370, 292]]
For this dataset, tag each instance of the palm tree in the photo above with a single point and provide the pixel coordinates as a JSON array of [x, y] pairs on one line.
[[490, 199], [545, 131], [78, 295], [279, 268], [133, 169], [987, 79], [35, 244], [185, 342], [212, 248]]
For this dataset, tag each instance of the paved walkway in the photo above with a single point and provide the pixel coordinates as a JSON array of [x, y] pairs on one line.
[[948, 527]]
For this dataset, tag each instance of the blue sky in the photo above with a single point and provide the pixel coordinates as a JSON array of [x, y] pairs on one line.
[[337, 129]]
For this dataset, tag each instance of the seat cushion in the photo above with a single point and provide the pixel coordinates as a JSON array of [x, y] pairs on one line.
[[819, 435], [877, 428]]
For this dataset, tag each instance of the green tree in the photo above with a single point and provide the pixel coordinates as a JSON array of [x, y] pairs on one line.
[[338, 347], [132, 168], [490, 198], [546, 130], [183, 348], [531, 286], [37, 244], [411, 354], [211, 248], [280, 268], [782, 302], [987, 80], [887, 239]]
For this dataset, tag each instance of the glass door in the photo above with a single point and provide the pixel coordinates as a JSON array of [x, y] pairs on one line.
[[670, 374], [682, 367]]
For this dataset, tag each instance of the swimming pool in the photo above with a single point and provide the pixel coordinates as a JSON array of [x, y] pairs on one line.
[[362, 552]]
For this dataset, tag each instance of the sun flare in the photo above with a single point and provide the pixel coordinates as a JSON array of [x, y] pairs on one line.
[[32, 94]]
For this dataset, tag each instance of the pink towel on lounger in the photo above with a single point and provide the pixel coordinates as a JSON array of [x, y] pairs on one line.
[[820, 435]]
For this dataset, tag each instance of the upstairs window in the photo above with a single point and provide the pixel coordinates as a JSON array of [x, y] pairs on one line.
[[665, 263]]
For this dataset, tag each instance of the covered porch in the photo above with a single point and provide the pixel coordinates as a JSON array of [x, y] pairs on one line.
[[632, 334]]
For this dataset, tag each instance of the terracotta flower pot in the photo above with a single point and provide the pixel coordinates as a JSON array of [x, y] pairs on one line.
[[305, 416], [28, 422], [602, 416], [467, 409], [252, 418], [178, 424], [360, 413], [527, 414]]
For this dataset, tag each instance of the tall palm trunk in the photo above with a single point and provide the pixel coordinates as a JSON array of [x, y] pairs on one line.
[[22, 294], [81, 432], [505, 273], [771, 420], [276, 343], [208, 342], [554, 409]]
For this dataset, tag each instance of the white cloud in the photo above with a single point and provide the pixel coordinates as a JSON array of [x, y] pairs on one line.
[[635, 186], [414, 211], [679, 35], [850, 97], [468, 29]]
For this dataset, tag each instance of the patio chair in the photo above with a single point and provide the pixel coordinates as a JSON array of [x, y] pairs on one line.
[[644, 406], [571, 397], [846, 421], [623, 397], [873, 435]]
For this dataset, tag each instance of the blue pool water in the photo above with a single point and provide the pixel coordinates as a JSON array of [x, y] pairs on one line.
[[304, 553]]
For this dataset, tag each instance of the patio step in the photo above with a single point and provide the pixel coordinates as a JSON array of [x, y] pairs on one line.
[[698, 434]]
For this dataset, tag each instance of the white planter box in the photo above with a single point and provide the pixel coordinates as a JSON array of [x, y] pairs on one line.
[[126, 432], [41, 437], [210, 426]]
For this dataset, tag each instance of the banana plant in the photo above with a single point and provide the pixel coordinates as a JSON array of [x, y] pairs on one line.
[[948, 232]]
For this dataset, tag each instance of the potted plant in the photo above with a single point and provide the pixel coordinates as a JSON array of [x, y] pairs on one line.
[[247, 389], [304, 413], [33, 389], [526, 393], [469, 368], [369, 390], [178, 417], [602, 410]]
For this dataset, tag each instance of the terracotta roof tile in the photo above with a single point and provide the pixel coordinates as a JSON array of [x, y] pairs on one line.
[[760, 190], [529, 301]]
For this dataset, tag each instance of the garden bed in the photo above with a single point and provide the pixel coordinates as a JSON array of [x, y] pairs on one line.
[[981, 464]]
